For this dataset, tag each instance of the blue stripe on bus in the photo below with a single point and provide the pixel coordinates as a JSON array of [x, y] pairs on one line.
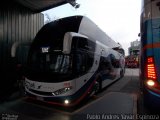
[[153, 93]]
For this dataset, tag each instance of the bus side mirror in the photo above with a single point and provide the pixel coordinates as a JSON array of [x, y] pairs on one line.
[[139, 35]]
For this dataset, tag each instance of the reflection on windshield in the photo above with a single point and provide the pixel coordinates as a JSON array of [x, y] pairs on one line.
[[61, 65], [56, 63]]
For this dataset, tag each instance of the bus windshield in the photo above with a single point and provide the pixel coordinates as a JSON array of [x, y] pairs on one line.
[[50, 62], [49, 67]]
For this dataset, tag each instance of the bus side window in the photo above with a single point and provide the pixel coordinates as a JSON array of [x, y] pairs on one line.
[[79, 64], [89, 61], [81, 43], [114, 61], [105, 64]]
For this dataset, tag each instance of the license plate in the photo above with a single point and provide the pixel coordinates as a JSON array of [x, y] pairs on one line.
[[40, 98]]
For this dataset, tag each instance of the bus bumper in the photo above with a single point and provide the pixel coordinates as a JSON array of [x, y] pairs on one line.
[[51, 100]]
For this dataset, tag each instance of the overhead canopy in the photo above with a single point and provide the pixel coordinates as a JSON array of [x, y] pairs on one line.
[[41, 5]]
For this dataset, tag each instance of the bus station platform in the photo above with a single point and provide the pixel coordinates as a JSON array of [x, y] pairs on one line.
[[113, 105]]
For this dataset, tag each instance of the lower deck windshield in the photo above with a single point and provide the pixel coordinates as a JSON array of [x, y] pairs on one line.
[[55, 63], [47, 66], [50, 64], [57, 67]]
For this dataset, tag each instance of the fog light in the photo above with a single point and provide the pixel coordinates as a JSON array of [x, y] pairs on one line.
[[150, 83], [66, 102]]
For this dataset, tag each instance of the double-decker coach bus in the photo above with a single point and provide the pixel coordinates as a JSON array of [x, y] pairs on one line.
[[70, 59], [150, 52]]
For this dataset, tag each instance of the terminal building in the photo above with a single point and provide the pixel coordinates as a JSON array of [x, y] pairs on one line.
[[134, 49], [20, 20]]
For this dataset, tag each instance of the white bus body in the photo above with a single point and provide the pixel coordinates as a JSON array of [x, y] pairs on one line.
[[65, 68]]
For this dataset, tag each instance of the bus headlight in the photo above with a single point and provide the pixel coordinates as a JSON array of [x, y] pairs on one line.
[[62, 91], [66, 102]]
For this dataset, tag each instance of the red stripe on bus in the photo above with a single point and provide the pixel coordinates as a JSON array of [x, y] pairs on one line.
[[71, 104], [149, 46], [74, 102]]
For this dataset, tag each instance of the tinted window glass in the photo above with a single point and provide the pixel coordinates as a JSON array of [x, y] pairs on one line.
[[82, 63], [79, 64], [106, 68], [83, 44], [49, 62], [90, 60]]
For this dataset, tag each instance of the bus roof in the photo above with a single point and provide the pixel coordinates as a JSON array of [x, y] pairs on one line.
[[92, 31], [78, 24]]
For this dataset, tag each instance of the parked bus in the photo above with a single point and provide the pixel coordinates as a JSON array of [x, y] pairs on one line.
[[70, 59], [150, 52]]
